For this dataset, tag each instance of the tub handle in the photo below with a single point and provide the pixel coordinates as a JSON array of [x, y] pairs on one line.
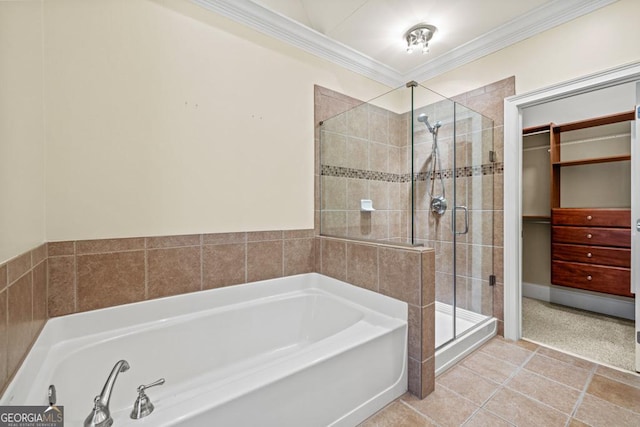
[[143, 406]]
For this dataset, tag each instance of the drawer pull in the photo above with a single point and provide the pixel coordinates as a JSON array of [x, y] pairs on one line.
[[589, 255], [589, 217], [589, 278], [589, 236]]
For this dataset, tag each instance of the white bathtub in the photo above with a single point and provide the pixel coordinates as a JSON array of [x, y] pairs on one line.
[[305, 350]]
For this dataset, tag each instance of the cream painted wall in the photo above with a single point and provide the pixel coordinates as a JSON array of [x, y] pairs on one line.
[[22, 188], [598, 41], [163, 118]]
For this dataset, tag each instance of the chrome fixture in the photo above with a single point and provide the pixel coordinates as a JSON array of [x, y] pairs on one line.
[[100, 416], [143, 406], [438, 203], [419, 36]]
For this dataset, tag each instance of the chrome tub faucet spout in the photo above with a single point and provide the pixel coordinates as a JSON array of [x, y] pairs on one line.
[[100, 416]]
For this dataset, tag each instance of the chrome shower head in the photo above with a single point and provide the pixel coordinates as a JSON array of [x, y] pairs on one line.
[[423, 118]]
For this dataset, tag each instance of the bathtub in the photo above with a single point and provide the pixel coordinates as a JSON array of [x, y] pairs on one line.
[[304, 350]]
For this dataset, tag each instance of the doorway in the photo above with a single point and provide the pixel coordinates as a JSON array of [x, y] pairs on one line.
[[526, 111]]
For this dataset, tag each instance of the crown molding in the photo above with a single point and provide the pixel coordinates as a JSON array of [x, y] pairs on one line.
[[536, 21], [292, 32]]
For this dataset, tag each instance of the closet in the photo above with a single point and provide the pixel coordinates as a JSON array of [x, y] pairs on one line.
[[576, 204]]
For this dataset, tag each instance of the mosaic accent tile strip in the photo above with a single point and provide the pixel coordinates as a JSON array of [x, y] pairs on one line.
[[466, 171]]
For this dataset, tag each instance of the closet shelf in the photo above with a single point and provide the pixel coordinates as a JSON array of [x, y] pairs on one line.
[[593, 160]]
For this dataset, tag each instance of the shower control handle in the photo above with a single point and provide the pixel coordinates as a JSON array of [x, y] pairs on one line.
[[466, 220]]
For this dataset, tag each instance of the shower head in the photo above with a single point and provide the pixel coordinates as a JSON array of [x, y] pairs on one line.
[[425, 119]]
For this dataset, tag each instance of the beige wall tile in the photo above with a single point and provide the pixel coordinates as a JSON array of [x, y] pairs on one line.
[[298, 234], [400, 274], [61, 287], [299, 256], [223, 265], [4, 343], [259, 236], [173, 241], [173, 271], [109, 245], [20, 318], [106, 280], [61, 248], [40, 314], [39, 254], [428, 376], [428, 331], [362, 265], [264, 260], [414, 374], [334, 258], [414, 333], [3, 276], [428, 260], [18, 266], [224, 238]]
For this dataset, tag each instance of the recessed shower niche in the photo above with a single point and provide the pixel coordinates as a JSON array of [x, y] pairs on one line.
[[426, 165]]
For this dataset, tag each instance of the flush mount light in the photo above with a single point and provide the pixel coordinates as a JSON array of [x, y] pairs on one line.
[[419, 36]]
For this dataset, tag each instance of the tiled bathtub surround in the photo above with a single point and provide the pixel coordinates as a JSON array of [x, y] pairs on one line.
[[93, 274], [404, 273], [23, 307]]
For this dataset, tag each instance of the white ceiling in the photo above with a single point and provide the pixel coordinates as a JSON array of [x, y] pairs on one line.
[[366, 36]]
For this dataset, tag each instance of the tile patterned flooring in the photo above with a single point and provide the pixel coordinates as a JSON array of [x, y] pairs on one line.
[[506, 383]]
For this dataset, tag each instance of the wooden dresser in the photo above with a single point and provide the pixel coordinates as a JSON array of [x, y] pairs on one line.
[[591, 249]]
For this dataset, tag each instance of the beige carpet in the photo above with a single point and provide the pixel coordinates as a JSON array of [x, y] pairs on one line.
[[605, 339]]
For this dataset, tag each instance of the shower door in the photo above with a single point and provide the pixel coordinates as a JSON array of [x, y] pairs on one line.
[[473, 219]]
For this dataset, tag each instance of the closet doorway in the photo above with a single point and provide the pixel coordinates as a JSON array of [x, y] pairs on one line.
[[573, 162]]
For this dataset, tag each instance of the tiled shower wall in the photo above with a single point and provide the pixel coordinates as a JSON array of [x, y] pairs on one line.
[[363, 155], [23, 307], [479, 185]]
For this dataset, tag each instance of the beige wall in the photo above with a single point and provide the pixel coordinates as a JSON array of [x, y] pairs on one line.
[[598, 41], [22, 216], [163, 118]]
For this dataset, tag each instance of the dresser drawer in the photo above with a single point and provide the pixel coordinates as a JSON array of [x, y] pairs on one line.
[[591, 217], [610, 280], [593, 236], [591, 254]]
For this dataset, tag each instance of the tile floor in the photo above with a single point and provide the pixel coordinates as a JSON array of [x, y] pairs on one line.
[[507, 383]]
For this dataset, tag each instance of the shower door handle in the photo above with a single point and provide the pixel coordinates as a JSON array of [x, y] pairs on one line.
[[466, 220]]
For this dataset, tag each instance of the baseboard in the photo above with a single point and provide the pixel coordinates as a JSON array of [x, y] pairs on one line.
[[585, 300]]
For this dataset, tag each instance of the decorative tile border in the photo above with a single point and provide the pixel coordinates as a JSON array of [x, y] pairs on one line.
[[466, 171]]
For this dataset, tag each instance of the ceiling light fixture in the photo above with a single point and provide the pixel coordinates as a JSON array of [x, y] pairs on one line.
[[419, 36]]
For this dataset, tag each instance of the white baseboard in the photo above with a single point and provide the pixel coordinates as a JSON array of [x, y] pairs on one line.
[[585, 300]]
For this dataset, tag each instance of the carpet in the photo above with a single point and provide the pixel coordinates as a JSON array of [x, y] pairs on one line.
[[605, 339]]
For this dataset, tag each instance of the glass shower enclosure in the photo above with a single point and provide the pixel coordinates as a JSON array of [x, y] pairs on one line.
[[412, 167]]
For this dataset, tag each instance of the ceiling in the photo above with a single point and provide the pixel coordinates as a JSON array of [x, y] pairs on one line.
[[367, 36]]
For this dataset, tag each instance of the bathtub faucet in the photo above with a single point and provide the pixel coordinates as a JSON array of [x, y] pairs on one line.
[[100, 416]]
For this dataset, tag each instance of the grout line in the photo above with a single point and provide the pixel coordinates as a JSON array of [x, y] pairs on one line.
[[583, 392]]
